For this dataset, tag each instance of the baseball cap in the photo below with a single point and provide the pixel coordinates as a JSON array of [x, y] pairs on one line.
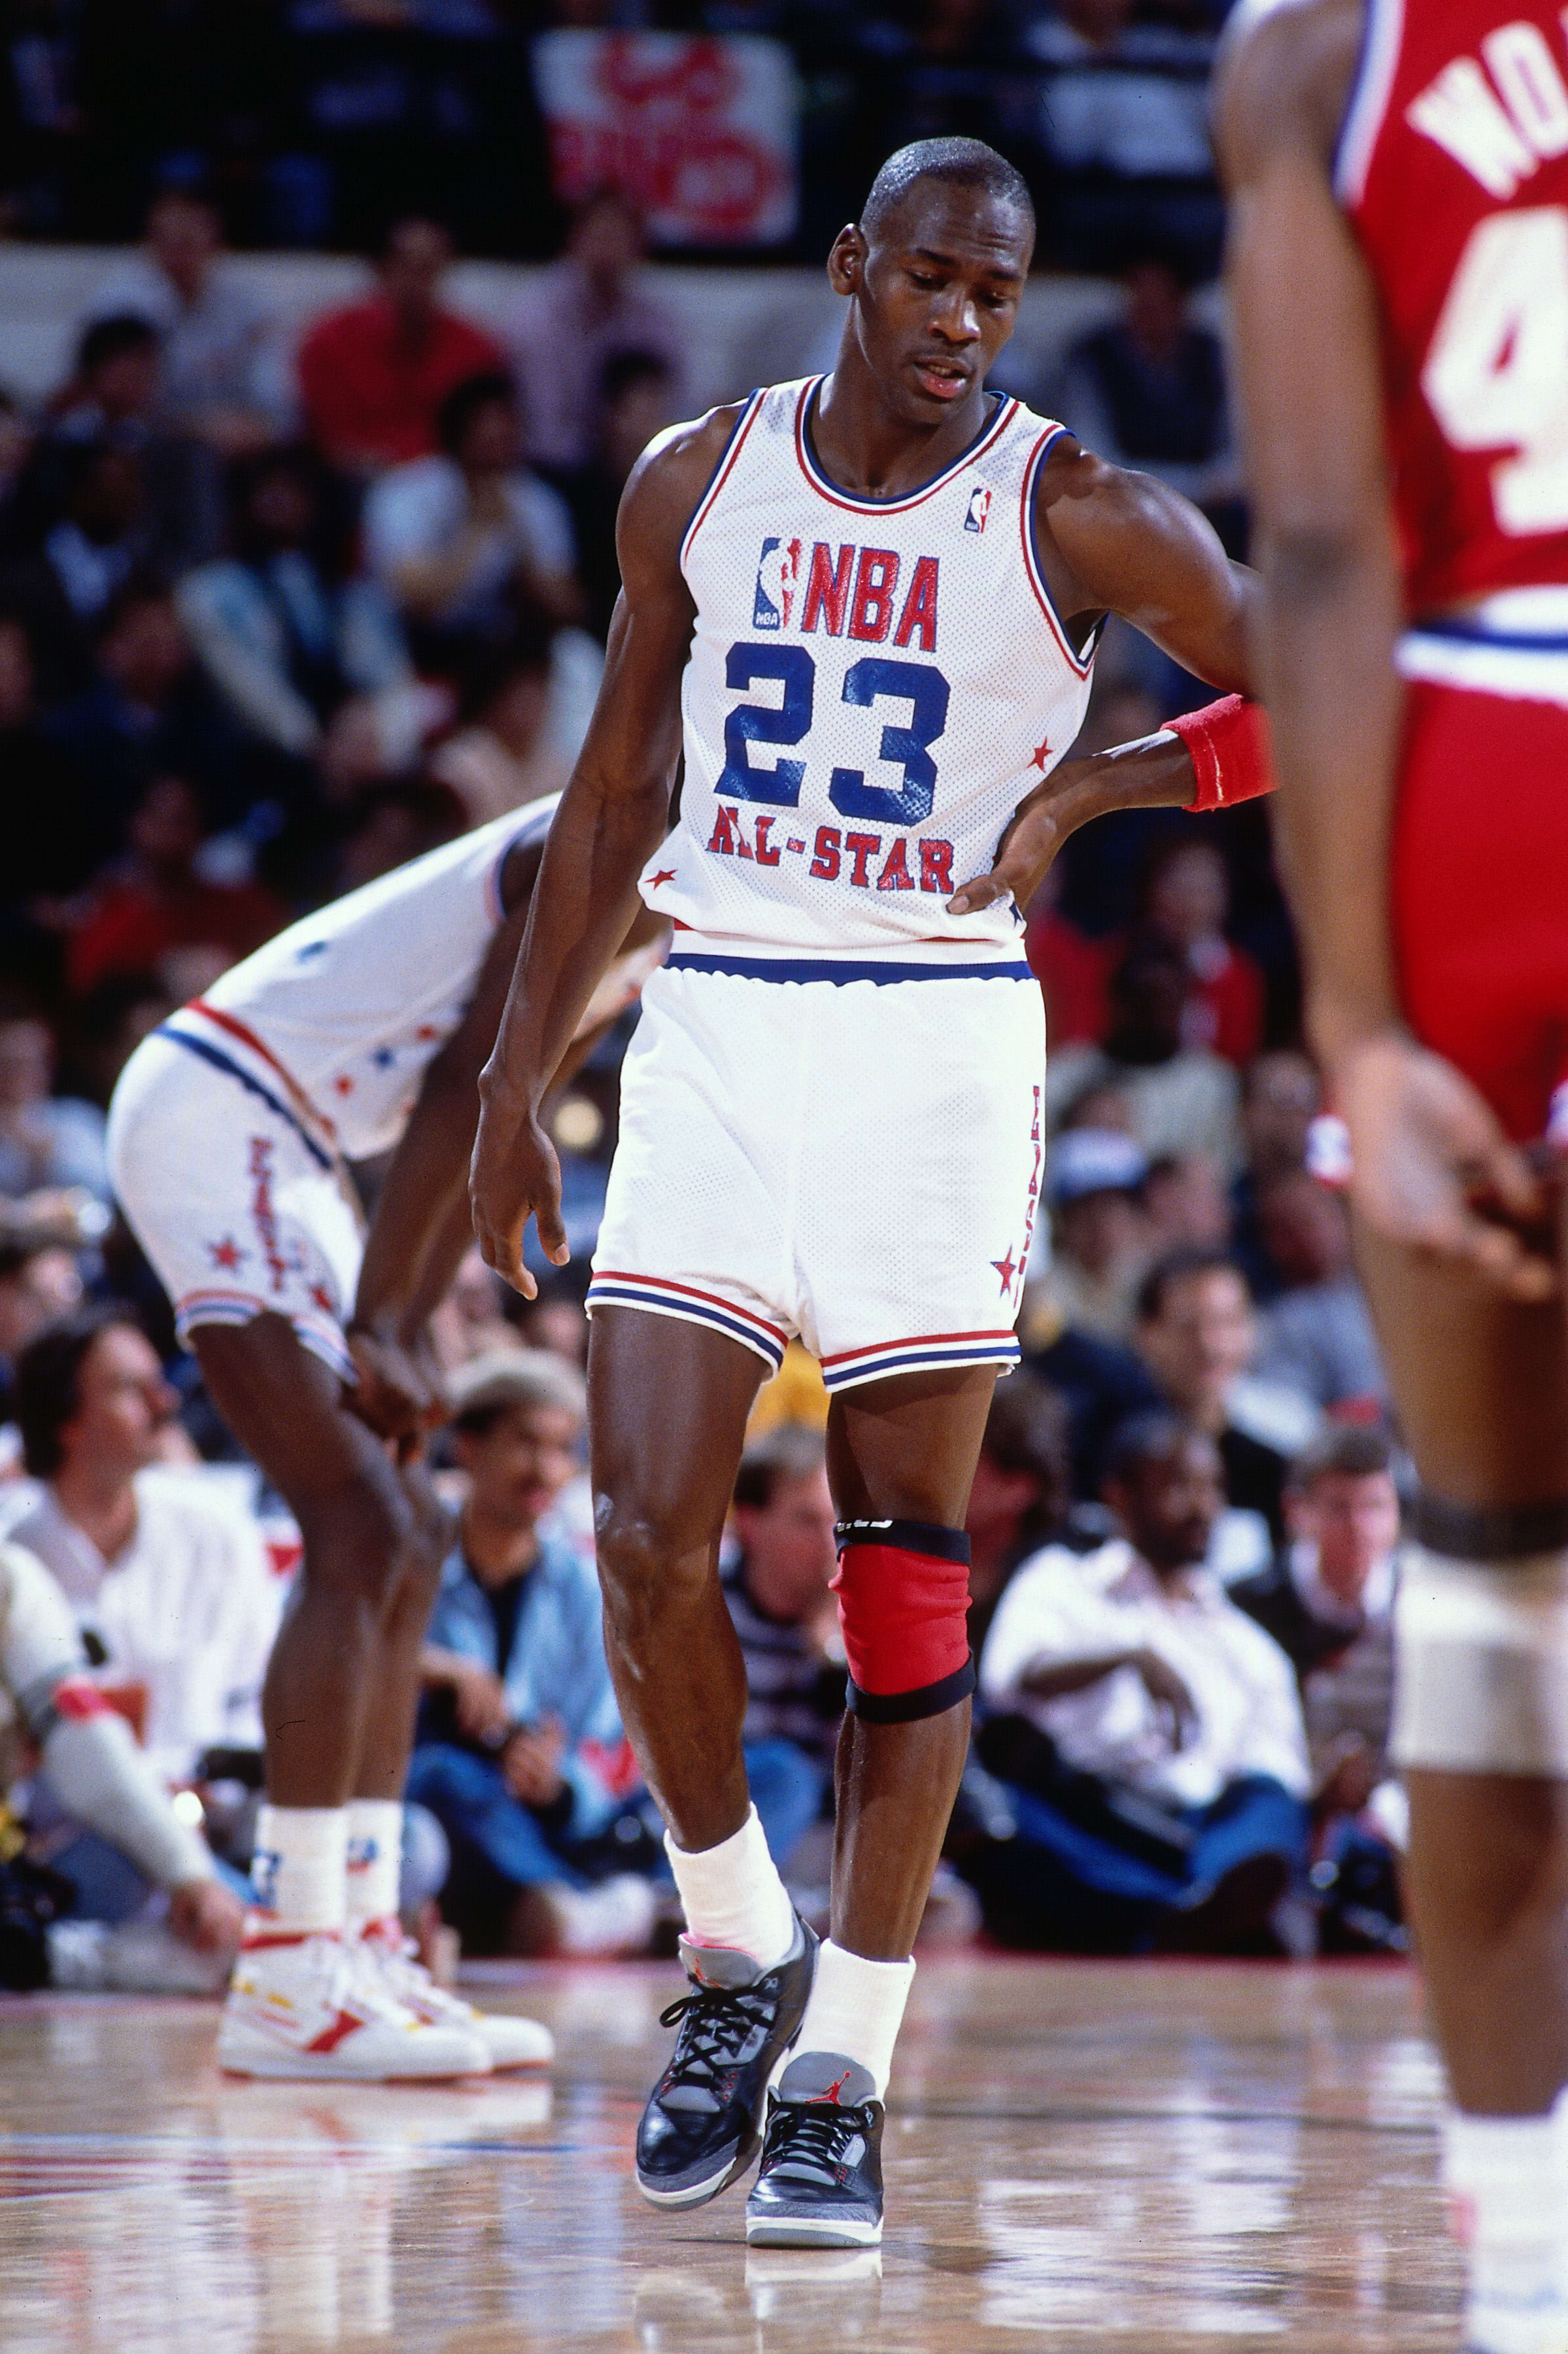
[[1093, 1161]]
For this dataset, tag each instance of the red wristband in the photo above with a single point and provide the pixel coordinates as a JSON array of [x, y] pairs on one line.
[[1229, 744]]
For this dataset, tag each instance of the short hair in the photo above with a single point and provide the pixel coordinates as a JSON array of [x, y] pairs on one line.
[[961, 163], [1347, 1451], [788, 1455], [48, 1380], [1144, 1437], [1026, 1429], [110, 338], [462, 404], [480, 1393], [621, 370], [1181, 1266]]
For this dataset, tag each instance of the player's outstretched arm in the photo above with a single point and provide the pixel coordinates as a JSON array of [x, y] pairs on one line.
[[612, 816], [1432, 1168]]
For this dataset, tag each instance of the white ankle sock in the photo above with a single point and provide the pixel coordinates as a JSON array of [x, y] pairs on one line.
[[1509, 2186], [299, 1870], [856, 2006], [732, 1896], [374, 1861]]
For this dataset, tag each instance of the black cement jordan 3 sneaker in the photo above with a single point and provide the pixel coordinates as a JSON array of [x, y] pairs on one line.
[[819, 2183], [703, 2118]]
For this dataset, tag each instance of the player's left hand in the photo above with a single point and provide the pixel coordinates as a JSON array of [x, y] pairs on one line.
[[205, 1915], [1041, 824], [398, 1389]]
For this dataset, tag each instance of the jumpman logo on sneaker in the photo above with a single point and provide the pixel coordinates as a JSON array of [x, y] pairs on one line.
[[834, 2089]]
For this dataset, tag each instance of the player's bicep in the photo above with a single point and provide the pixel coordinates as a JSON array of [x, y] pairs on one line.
[[1140, 550]]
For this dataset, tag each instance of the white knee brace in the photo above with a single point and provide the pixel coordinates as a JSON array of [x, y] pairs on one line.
[[1482, 1653]]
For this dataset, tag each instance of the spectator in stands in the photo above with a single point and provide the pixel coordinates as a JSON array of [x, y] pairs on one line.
[[168, 1581], [1150, 1731], [1186, 1202], [1186, 899], [47, 853], [939, 70], [373, 376], [1183, 1098], [583, 310], [1316, 1336], [460, 539], [636, 396], [507, 753], [776, 1589], [109, 1023], [1197, 1335], [1100, 1239], [1072, 969], [154, 900], [1327, 1598], [66, 586], [1148, 390], [1124, 130], [40, 1281], [46, 1140], [220, 368], [115, 1835], [286, 637], [1020, 1499], [520, 1754], [470, 1322], [1280, 1100]]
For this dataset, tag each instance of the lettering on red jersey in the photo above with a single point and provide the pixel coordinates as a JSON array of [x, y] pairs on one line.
[[1503, 129]]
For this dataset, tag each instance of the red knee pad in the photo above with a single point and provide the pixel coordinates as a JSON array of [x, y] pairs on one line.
[[904, 1600]]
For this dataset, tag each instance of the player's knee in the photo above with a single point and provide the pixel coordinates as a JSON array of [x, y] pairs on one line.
[[1482, 1632], [651, 1560], [358, 1538], [903, 1588]]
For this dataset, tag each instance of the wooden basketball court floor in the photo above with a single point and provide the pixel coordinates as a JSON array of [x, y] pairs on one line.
[[1164, 2159]]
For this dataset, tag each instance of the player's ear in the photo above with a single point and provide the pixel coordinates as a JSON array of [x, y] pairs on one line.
[[847, 259]]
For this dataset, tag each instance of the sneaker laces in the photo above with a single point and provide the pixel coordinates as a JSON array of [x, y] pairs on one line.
[[812, 2138], [720, 2028]]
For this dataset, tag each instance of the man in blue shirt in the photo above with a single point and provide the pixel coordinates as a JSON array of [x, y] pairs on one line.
[[521, 1753]]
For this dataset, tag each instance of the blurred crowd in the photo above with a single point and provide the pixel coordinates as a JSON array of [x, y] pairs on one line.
[[277, 614]]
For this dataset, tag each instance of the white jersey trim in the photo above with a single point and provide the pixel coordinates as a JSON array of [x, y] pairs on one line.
[[1083, 663], [1519, 672], [1383, 33], [829, 489], [722, 471]]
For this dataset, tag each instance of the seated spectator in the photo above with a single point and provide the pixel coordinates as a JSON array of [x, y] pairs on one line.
[[1327, 1598], [40, 1281], [1197, 1335], [168, 1581], [507, 752], [1316, 1336], [220, 369], [941, 69], [45, 854], [1186, 899], [458, 540], [1186, 1202], [101, 539], [1019, 1500], [1100, 1239], [1280, 1100], [585, 309], [154, 900], [284, 636], [1150, 1732], [1183, 1098], [373, 376], [1148, 390], [520, 1754], [776, 1589], [114, 1836], [636, 400], [1072, 969], [1124, 127], [46, 1140]]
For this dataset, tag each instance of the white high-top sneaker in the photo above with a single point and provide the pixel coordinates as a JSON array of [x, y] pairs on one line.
[[317, 2008], [512, 2042]]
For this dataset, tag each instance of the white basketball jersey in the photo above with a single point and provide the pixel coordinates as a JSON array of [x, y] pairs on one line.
[[873, 686], [350, 1005]]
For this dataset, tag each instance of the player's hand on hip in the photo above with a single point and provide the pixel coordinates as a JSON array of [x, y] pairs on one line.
[[1433, 1170], [1024, 855], [514, 1175]]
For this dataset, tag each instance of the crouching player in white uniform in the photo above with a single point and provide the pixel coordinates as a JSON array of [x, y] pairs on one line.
[[358, 1028], [872, 601]]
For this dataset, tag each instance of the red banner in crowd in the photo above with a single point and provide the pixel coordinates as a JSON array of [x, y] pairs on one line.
[[698, 131]]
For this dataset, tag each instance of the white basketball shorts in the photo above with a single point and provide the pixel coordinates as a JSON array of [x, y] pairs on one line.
[[240, 1209], [855, 1160]]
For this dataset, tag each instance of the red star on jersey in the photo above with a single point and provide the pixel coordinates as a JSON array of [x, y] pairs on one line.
[[1039, 757], [226, 1254], [323, 1300], [343, 1084], [665, 875], [1006, 1270], [426, 1032]]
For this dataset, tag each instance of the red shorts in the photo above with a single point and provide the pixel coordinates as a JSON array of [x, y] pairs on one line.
[[1481, 892]]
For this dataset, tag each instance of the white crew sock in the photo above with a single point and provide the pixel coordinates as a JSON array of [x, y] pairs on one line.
[[856, 2007], [733, 1897], [300, 1871], [1509, 2186], [374, 1861]]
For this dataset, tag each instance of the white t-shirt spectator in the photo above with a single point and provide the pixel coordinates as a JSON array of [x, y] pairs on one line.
[[57, 1142], [1138, 106], [189, 1609], [418, 510], [1063, 1606], [221, 352]]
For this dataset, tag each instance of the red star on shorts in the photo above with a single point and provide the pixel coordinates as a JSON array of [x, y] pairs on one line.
[[1037, 759], [665, 875], [323, 1300], [343, 1084], [1006, 1270], [226, 1254]]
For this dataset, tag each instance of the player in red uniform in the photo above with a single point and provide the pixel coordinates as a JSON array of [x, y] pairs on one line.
[[1400, 275]]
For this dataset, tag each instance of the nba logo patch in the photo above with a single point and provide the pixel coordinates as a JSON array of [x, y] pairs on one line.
[[980, 507], [777, 569]]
